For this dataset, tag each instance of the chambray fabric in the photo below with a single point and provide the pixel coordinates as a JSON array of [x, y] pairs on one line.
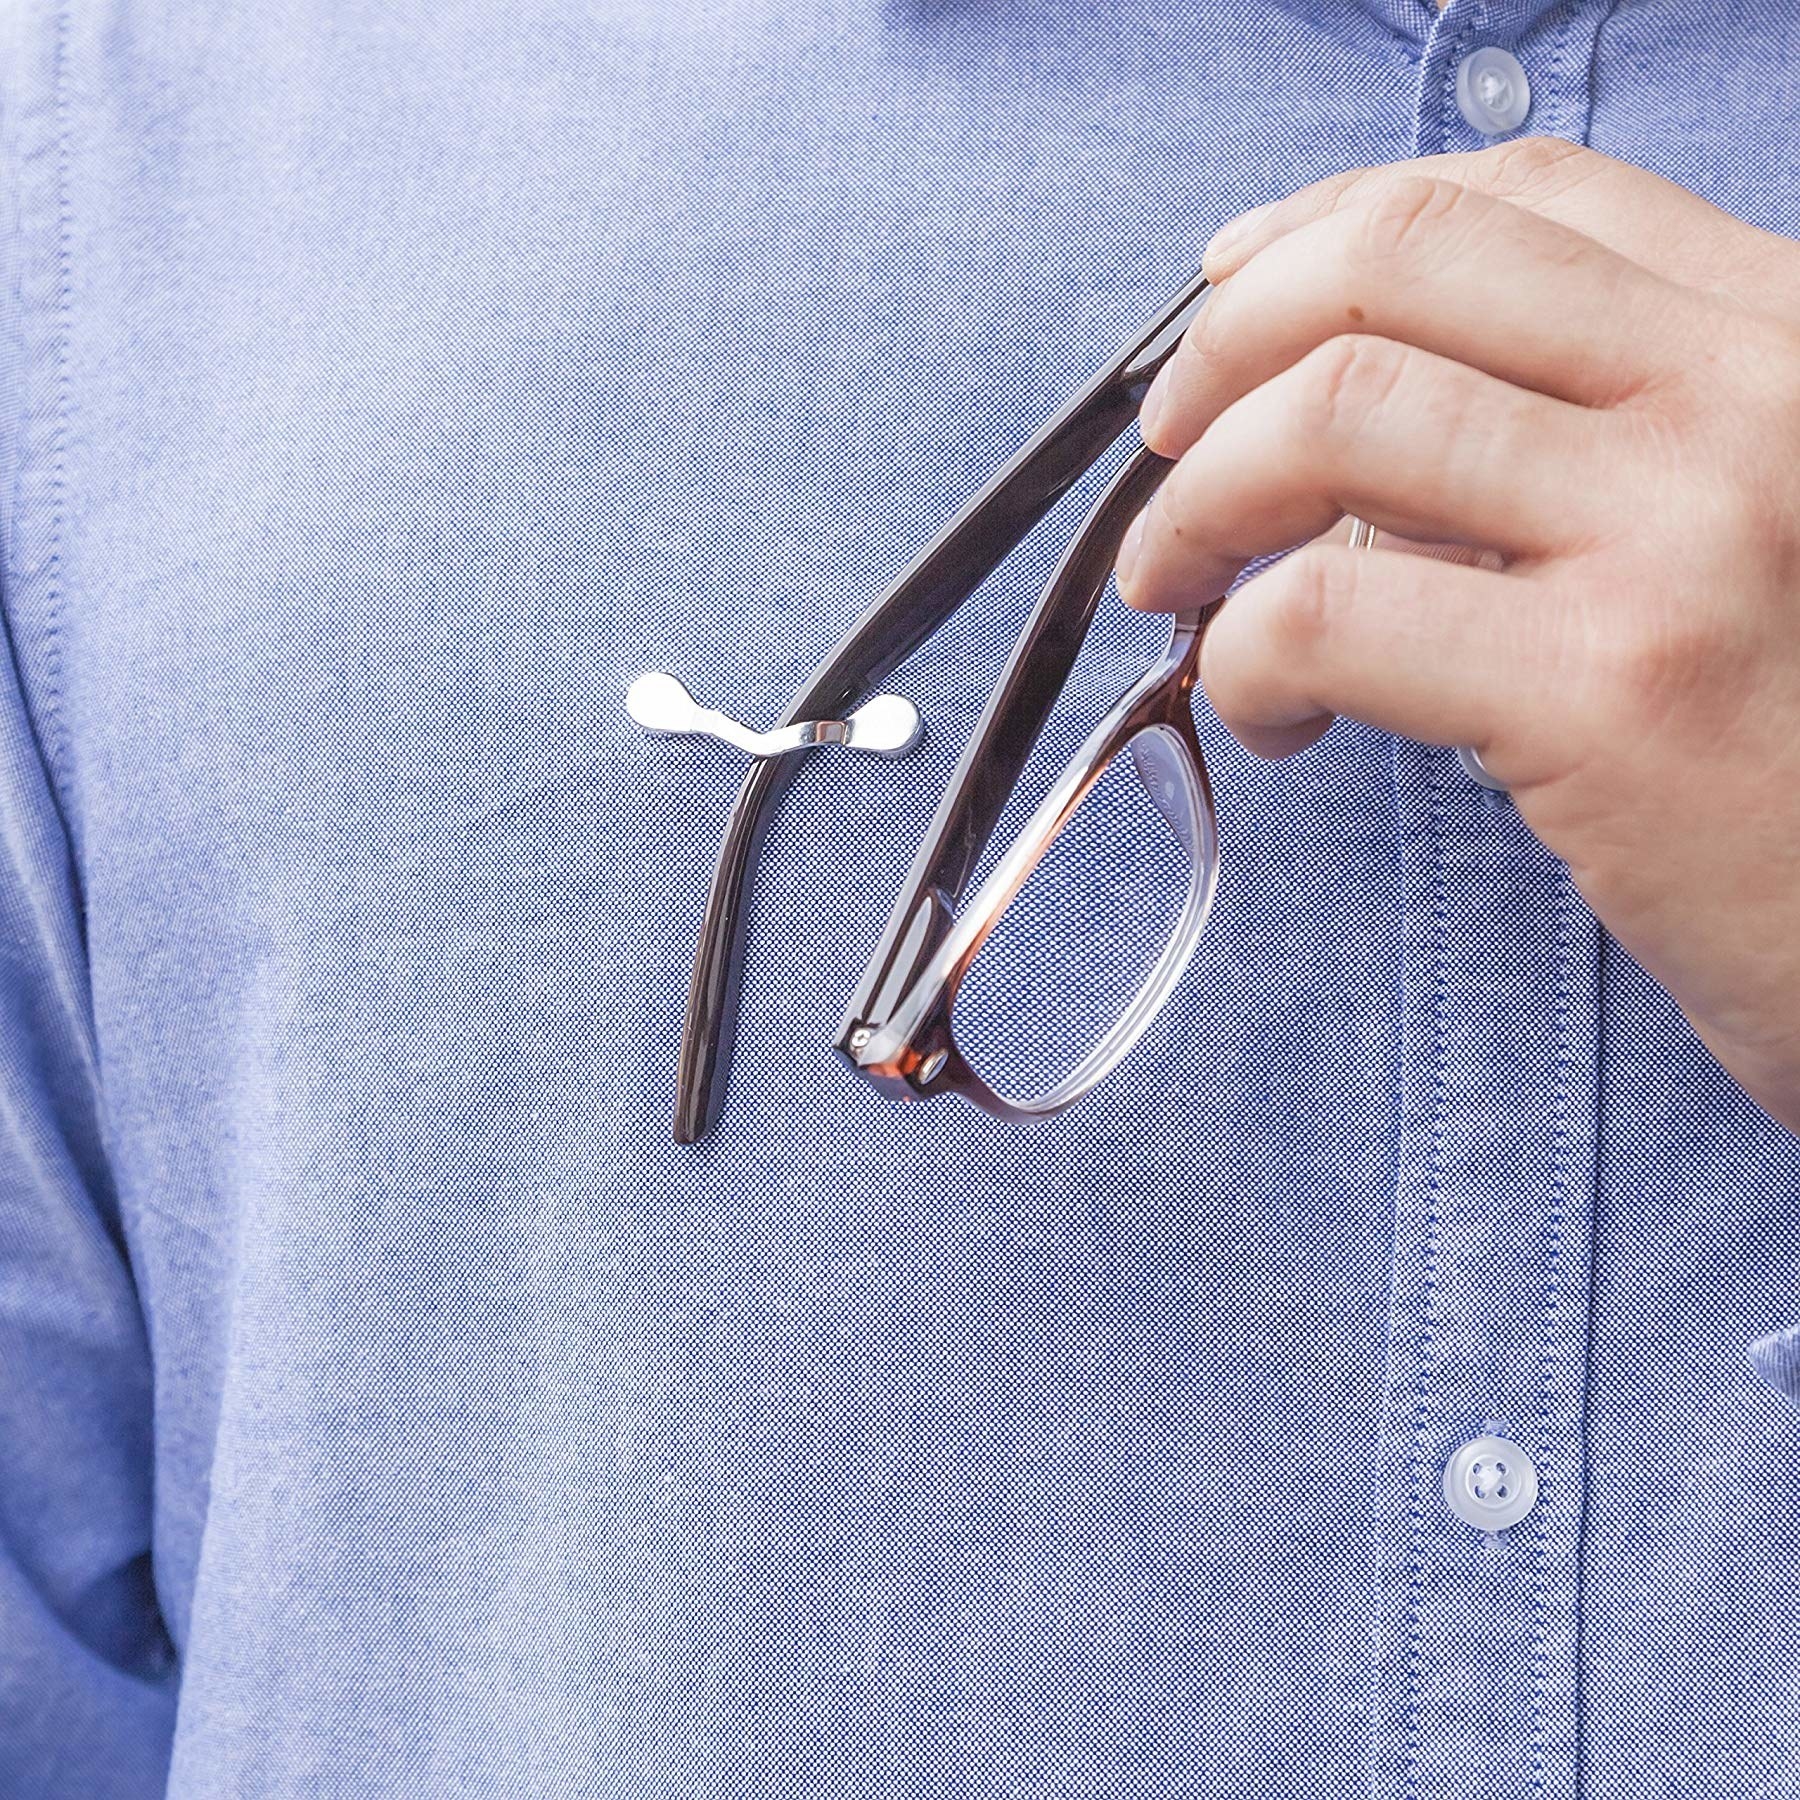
[[387, 1405]]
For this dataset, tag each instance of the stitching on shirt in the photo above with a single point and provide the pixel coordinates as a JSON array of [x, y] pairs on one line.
[[1607, 9], [1556, 1315], [1454, 52], [57, 755], [1440, 948], [41, 453], [1556, 63]]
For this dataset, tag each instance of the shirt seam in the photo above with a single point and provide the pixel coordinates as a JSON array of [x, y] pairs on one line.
[[1565, 101], [32, 560], [1426, 1341], [1451, 55], [1556, 1317], [1603, 18], [58, 747]]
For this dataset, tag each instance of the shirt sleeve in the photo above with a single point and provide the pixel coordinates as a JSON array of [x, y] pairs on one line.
[[87, 1672], [86, 1668]]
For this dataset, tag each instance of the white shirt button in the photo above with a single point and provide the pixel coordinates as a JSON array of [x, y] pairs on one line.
[[1492, 92], [1490, 1483]]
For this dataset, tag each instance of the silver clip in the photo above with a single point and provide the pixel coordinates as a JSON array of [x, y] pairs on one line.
[[887, 725]]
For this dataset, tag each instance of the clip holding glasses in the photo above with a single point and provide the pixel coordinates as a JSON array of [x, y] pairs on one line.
[[886, 725]]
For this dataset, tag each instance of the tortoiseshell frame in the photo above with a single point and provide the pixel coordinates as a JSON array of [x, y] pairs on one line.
[[924, 596]]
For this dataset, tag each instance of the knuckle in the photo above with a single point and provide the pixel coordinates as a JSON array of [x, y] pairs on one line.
[[1706, 352], [1669, 370], [1312, 585], [1405, 213], [1531, 167], [1724, 517], [1680, 645], [1773, 453], [1345, 382], [1772, 369], [1722, 535], [1649, 666]]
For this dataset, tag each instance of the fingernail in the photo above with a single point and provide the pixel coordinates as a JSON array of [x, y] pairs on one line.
[[1233, 234], [1154, 402], [1128, 552]]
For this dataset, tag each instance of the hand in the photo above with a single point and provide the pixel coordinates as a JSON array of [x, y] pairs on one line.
[[1591, 378]]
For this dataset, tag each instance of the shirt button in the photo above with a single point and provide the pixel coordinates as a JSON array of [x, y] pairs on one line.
[[1492, 92], [1490, 1483]]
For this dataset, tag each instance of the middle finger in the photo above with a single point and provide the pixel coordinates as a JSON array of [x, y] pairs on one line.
[[1416, 444]]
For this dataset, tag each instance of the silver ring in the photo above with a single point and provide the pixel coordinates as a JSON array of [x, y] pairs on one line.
[[1362, 537]]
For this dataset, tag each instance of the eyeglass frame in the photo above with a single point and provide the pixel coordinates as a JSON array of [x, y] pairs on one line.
[[896, 1028]]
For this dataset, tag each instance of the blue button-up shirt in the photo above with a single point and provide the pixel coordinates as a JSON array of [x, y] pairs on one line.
[[389, 1405]]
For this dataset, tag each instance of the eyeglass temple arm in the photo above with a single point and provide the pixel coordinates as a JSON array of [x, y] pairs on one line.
[[998, 749], [939, 580]]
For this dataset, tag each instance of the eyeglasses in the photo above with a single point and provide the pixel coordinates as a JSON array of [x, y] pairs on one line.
[[897, 1026]]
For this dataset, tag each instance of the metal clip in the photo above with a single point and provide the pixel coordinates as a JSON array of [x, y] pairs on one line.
[[887, 725]]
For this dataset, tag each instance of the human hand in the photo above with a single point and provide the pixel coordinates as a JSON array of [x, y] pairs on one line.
[[1591, 377]]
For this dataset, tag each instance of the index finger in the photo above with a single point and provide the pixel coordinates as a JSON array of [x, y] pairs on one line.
[[1637, 214]]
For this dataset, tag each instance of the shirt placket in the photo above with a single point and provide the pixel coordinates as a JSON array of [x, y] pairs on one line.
[[1477, 1635], [1477, 1630], [1552, 45]]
